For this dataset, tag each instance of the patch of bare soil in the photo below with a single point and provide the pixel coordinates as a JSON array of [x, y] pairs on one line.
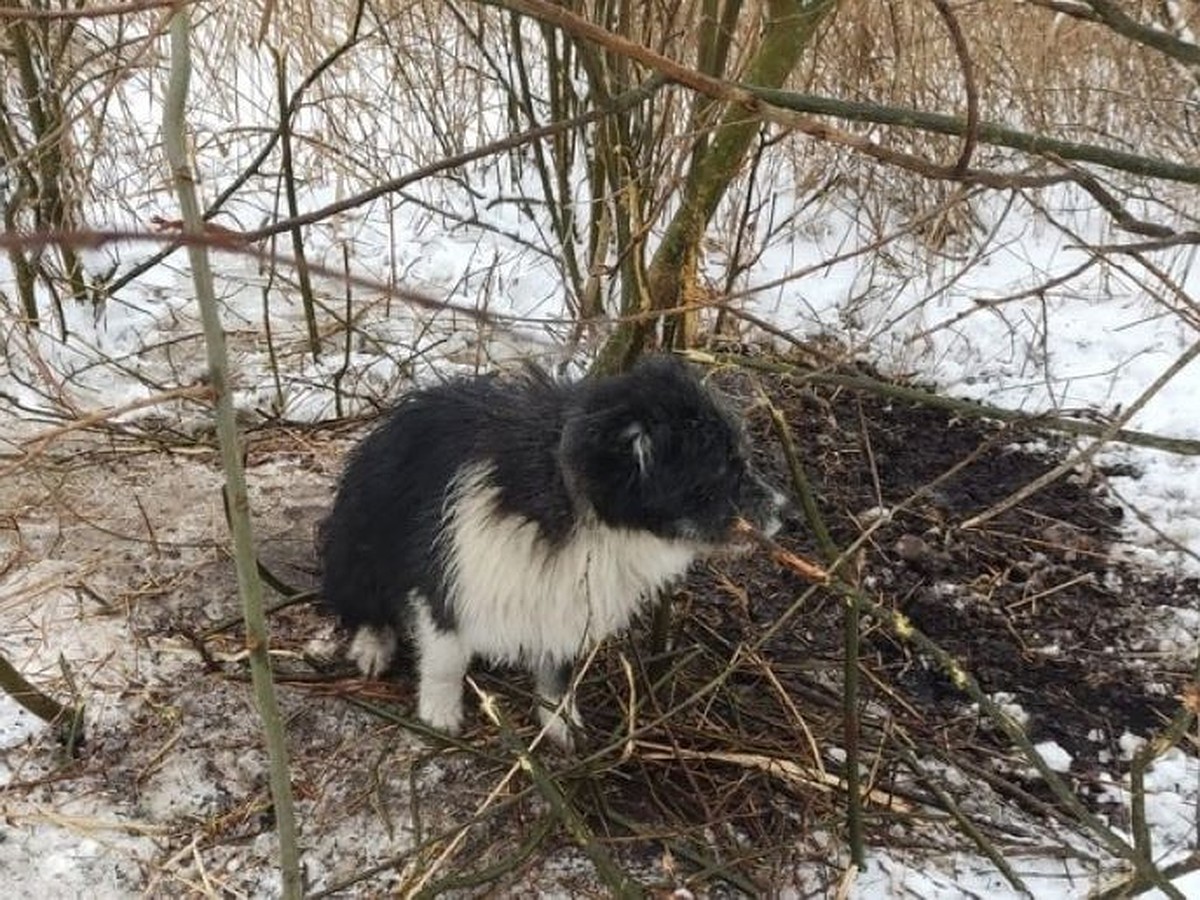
[[1030, 602], [711, 759]]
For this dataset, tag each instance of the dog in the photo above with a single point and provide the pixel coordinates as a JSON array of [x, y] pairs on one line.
[[521, 519]]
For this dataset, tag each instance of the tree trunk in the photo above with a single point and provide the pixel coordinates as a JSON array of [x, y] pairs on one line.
[[787, 30]]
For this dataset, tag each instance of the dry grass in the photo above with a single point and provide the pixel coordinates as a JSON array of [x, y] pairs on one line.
[[1035, 69]]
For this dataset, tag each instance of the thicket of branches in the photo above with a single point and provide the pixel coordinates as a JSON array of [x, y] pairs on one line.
[[641, 158], [666, 202]]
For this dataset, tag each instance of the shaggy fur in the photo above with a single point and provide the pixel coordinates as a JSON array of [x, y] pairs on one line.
[[521, 519]]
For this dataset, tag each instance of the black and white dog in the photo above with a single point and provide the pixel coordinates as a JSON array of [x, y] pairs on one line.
[[521, 519]]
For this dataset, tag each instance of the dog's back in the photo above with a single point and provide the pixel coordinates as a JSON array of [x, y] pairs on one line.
[[381, 540]]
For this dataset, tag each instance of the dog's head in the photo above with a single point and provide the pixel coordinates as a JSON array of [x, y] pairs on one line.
[[655, 449]]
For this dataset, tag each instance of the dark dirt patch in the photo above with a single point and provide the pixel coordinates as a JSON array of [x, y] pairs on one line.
[[1029, 602]]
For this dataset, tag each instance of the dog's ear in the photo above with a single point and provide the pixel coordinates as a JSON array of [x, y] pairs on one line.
[[641, 446]]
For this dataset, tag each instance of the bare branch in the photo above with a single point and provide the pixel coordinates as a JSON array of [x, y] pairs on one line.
[[89, 12], [249, 584], [1164, 42], [968, 73]]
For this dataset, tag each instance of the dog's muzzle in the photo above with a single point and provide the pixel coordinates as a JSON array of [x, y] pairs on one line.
[[765, 506]]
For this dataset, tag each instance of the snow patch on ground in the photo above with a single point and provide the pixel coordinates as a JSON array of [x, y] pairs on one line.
[[1055, 757]]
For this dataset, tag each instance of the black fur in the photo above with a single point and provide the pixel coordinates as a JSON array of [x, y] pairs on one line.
[[387, 518]]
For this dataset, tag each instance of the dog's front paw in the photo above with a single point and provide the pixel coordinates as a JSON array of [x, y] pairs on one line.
[[438, 709]]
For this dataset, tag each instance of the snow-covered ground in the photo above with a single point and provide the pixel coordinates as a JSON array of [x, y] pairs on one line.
[[975, 323]]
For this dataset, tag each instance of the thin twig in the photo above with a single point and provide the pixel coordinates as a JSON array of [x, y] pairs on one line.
[[617, 882], [42, 705], [850, 637], [1107, 434], [288, 175], [250, 587], [969, 828]]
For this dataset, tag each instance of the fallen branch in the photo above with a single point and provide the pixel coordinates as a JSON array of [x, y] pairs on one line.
[[36, 445], [784, 770]]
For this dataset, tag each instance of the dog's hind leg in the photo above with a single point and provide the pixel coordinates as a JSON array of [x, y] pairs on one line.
[[556, 705], [373, 649], [443, 662]]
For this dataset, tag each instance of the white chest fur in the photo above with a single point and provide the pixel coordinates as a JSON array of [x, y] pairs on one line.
[[517, 598]]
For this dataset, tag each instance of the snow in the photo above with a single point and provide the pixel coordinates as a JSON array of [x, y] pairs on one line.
[[1130, 744], [1058, 759], [1189, 886], [1005, 702], [1095, 342], [961, 875], [1172, 785], [17, 725]]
